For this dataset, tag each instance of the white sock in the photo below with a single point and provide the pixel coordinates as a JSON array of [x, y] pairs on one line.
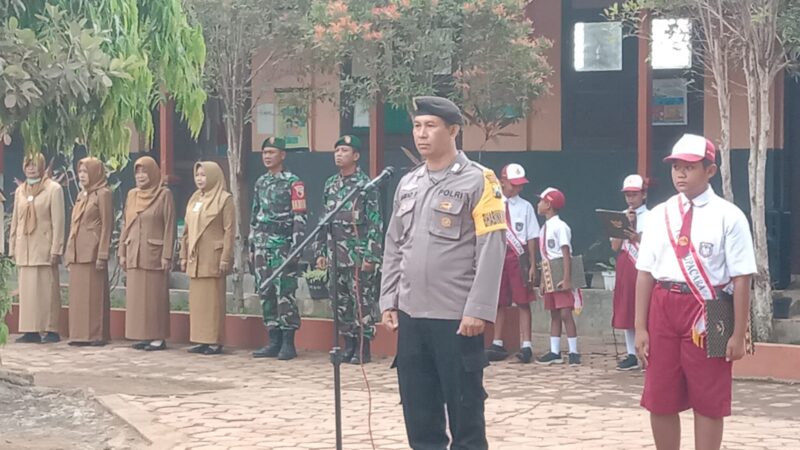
[[498, 342], [555, 344], [527, 344], [573, 344], [630, 341]]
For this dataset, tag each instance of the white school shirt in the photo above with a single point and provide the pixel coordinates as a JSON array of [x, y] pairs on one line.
[[523, 219], [720, 235], [555, 234]]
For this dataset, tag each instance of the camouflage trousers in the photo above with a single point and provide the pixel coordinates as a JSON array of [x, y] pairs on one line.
[[348, 301], [278, 301]]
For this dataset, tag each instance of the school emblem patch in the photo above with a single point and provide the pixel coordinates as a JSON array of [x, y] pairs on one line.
[[519, 226], [706, 249], [551, 243]]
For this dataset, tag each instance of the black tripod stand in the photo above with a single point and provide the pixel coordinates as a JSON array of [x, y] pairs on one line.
[[326, 223]]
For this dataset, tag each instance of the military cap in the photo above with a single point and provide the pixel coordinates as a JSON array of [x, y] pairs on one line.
[[349, 140], [274, 142], [438, 106]]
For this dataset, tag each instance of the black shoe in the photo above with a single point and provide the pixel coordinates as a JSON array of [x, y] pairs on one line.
[[141, 345], [29, 338], [550, 358], [79, 343], [287, 346], [198, 348], [213, 350], [350, 348], [629, 363], [496, 353], [97, 344], [574, 359], [361, 356], [524, 355], [51, 338], [154, 348], [272, 349]]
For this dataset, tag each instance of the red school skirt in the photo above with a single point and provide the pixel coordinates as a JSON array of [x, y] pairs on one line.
[[624, 315]]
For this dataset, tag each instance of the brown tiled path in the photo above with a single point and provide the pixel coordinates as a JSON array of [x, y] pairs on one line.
[[183, 401]]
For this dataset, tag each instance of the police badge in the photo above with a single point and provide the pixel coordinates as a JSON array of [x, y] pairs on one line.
[[706, 249]]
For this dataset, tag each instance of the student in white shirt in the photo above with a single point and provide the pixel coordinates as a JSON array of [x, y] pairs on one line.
[[635, 191], [699, 234], [555, 242], [519, 269]]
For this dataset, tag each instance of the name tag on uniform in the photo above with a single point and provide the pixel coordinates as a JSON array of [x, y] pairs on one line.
[[30, 198], [197, 206]]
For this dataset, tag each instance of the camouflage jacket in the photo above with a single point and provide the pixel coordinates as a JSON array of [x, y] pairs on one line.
[[278, 216], [358, 226]]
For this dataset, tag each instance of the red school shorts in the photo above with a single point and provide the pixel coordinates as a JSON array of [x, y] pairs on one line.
[[679, 374], [512, 287], [559, 300]]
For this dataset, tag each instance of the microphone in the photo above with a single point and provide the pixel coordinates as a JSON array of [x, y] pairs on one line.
[[380, 179]]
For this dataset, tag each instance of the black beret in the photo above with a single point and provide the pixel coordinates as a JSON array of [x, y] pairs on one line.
[[274, 142], [438, 106]]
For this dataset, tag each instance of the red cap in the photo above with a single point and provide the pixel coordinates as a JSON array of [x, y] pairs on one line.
[[554, 197], [515, 174], [693, 148]]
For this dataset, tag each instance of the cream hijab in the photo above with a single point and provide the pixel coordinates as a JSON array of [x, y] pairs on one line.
[[213, 198]]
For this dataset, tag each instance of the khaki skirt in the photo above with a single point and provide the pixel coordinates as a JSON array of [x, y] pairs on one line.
[[207, 310], [147, 305], [89, 304]]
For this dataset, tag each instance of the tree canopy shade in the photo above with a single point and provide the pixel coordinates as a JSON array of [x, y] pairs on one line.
[[85, 71]]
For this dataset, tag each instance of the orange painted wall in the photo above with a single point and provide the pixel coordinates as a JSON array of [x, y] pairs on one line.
[[740, 137], [323, 126], [541, 130]]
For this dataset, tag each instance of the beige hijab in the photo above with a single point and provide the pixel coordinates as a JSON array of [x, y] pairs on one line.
[[213, 198], [145, 196], [97, 180], [28, 212]]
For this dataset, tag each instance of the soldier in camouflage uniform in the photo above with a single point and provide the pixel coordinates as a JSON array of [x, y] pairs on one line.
[[278, 222], [358, 228]]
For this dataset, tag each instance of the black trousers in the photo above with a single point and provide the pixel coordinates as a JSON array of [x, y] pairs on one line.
[[439, 369]]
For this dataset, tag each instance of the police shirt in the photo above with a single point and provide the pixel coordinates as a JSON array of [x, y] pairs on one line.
[[523, 219], [446, 244], [555, 234], [720, 235]]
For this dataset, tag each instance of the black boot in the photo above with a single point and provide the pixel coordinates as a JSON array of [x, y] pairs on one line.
[[350, 344], [272, 349], [29, 338], [362, 355], [287, 346]]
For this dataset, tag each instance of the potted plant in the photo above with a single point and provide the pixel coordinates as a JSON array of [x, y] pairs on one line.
[[317, 280], [608, 270]]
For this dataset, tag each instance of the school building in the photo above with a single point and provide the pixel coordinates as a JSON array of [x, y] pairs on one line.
[[615, 107]]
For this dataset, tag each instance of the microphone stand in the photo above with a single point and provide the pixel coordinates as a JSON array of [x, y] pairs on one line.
[[326, 223]]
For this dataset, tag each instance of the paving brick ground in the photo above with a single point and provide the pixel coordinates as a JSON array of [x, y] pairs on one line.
[[231, 401]]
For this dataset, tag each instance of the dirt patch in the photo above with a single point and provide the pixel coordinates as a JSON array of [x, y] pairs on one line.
[[36, 418]]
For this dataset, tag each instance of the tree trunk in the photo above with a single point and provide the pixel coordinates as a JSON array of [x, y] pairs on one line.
[[236, 182], [724, 103], [758, 108]]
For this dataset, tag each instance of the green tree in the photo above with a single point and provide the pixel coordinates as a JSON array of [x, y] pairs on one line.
[[480, 53]]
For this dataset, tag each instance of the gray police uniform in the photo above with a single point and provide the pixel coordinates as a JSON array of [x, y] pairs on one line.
[[443, 258]]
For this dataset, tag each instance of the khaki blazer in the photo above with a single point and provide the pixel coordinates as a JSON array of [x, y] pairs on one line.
[[151, 236], [47, 239], [214, 246], [93, 237]]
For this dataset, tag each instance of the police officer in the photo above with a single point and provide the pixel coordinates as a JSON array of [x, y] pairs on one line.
[[445, 249], [278, 221], [358, 228]]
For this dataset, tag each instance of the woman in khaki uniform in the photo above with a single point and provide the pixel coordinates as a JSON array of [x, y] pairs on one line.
[[36, 243], [145, 253], [206, 256], [87, 257]]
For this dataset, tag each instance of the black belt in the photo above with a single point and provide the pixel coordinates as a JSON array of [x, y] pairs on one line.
[[683, 288]]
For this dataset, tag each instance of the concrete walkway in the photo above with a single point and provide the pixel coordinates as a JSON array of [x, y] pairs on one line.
[[182, 401]]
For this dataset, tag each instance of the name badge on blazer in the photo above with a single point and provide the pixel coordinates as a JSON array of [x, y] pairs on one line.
[[197, 206]]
